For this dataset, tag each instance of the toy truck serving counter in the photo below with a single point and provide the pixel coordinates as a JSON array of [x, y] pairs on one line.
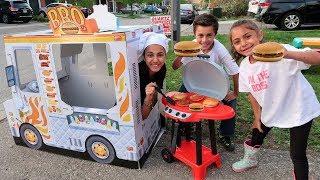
[[80, 92]]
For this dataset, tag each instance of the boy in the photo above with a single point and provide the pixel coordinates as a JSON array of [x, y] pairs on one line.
[[205, 28]]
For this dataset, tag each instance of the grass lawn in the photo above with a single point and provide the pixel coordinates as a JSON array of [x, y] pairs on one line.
[[277, 138]]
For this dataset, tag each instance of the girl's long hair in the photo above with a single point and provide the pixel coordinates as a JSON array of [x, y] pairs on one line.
[[249, 24]]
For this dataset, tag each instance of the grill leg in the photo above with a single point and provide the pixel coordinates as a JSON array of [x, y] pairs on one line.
[[213, 142], [174, 135], [199, 143]]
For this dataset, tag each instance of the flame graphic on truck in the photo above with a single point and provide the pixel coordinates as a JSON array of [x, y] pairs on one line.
[[119, 70], [37, 117]]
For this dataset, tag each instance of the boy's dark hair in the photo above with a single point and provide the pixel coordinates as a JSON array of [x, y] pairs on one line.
[[206, 20]]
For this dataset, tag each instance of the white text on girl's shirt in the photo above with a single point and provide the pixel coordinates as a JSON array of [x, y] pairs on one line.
[[259, 82]]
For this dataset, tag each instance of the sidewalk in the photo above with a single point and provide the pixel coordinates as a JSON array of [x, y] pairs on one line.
[[19, 162]]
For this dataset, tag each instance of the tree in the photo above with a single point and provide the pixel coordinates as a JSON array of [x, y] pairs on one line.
[[184, 2], [152, 1], [82, 3]]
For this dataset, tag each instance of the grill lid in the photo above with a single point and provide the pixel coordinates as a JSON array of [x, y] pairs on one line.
[[206, 78]]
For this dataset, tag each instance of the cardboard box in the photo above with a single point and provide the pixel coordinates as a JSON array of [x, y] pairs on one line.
[[81, 93]]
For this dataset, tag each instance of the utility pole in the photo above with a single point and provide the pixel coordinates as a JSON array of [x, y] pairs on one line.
[[175, 21]]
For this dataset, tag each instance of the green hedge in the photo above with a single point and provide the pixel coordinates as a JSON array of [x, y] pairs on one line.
[[233, 8]]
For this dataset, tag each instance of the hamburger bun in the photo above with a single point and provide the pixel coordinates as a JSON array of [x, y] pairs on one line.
[[179, 96], [196, 98], [210, 102], [268, 52], [195, 107], [183, 102], [187, 48]]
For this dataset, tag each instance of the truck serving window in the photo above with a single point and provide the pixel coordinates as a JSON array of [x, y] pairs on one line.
[[84, 76], [26, 73]]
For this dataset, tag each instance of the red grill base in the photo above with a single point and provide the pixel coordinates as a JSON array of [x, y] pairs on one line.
[[190, 152], [186, 153]]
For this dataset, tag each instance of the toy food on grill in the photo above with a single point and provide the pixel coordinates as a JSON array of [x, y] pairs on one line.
[[187, 48], [269, 52], [195, 107], [210, 102], [196, 98], [183, 102], [179, 96]]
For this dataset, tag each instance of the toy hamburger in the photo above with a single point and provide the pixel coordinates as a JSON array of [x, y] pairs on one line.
[[179, 96], [196, 98], [269, 52], [187, 48], [183, 102], [69, 28], [195, 107], [210, 102]]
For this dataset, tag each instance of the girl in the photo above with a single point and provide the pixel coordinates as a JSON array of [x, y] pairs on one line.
[[153, 48], [286, 100]]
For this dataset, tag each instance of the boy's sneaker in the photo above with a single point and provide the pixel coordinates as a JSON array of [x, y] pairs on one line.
[[227, 143]]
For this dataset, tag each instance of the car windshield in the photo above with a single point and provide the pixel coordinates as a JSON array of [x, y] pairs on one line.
[[20, 4], [186, 6]]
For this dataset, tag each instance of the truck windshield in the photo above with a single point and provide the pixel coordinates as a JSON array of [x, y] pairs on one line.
[[20, 4]]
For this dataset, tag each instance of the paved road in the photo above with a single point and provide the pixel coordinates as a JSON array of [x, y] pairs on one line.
[[18, 162]]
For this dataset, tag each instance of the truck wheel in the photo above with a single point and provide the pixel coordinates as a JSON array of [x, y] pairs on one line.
[[31, 136], [167, 155], [42, 14], [100, 149], [6, 19], [291, 21]]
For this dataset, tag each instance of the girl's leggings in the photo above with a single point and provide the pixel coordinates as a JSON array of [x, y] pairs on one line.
[[298, 145]]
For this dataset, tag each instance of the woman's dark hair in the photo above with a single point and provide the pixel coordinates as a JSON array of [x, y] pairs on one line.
[[206, 20], [249, 24]]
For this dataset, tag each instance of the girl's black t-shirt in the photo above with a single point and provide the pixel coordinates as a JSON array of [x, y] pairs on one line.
[[145, 78]]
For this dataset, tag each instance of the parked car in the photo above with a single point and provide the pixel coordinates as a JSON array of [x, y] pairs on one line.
[[127, 10], [11, 10], [43, 10], [164, 9], [289, 15], [253, 7], [187, 13], [152, 9]]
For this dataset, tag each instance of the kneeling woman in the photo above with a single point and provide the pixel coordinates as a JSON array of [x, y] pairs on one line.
[[152, 69]]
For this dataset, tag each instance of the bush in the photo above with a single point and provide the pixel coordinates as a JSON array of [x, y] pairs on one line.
[[232, 8]]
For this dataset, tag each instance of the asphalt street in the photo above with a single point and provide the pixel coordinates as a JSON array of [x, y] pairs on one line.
[[19, 162]]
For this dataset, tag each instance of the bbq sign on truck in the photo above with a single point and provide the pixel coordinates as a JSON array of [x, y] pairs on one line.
[[165, 21]]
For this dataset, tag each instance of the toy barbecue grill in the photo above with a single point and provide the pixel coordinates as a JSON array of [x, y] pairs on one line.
[[208, 79]]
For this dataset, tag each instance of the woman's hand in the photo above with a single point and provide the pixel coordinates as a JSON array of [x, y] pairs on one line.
[[257, 124], [230, 96], [150, 90]]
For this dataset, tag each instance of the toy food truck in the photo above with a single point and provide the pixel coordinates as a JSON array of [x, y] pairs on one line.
[[80, 92]]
